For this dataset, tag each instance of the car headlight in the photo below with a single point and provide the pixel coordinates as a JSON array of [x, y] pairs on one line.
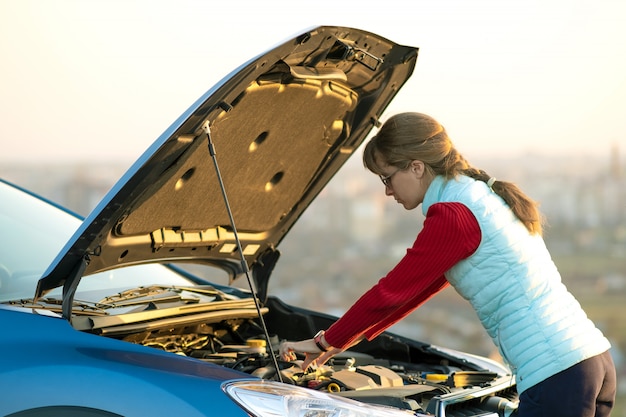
[[270, 399]]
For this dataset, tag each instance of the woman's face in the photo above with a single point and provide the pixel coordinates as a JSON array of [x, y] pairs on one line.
[[407, 186]]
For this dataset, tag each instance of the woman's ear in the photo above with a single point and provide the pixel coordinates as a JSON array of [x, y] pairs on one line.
[[418, 168]]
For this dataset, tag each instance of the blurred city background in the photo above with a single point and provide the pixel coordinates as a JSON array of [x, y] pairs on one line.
[[353, 234]]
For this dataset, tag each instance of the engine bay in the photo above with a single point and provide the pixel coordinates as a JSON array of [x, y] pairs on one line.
[[386, 371]]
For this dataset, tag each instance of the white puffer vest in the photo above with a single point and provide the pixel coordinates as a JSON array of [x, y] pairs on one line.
[[515, 288]]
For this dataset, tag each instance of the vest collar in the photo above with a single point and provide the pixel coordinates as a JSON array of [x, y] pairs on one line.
[[433, 193]]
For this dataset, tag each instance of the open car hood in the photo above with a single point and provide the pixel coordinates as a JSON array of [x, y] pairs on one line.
[[281, 125]]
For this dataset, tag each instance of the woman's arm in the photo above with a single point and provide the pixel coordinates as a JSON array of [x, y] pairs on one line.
[[450, 234]]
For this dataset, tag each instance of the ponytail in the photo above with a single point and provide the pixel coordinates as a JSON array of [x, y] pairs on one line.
[[524, 208]]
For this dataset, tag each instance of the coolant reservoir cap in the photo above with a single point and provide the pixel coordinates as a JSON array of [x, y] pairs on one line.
[[256, 346], [256, 343]]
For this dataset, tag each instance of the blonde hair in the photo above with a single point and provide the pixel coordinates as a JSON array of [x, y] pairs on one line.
[[406, 137]]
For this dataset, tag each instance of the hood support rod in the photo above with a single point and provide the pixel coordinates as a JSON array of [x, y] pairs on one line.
[[244, 264]]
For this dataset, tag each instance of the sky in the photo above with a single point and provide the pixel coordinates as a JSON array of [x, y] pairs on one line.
[[100, 80]]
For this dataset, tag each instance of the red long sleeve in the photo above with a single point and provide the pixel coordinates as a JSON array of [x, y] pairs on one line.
[[450, 234]]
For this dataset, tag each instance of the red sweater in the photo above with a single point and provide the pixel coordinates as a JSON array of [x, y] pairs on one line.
[[450, 234]]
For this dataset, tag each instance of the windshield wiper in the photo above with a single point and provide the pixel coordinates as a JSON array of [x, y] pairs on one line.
[[56, 305], [161, 294], [142, 295]]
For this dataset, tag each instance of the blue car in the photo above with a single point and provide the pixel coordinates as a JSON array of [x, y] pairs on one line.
[[110, 316]]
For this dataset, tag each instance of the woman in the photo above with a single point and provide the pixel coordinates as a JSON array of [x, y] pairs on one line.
[[484, 237]]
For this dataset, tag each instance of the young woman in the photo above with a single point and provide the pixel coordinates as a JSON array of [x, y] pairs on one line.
[[484, 237]]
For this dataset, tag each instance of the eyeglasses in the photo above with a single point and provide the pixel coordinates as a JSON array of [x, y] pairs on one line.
[[387, 179]]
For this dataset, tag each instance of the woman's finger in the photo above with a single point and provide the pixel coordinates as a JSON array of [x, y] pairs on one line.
[[286, 351], [309, 359]]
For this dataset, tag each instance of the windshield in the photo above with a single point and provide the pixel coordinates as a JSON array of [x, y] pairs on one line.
[[33, 232]]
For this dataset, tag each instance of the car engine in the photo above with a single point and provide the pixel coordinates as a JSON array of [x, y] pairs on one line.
[[239, 344]]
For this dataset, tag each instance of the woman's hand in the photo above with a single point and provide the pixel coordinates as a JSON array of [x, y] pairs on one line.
[[313, 354]]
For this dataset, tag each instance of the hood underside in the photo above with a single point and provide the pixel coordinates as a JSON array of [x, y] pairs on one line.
[[280, 126]]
